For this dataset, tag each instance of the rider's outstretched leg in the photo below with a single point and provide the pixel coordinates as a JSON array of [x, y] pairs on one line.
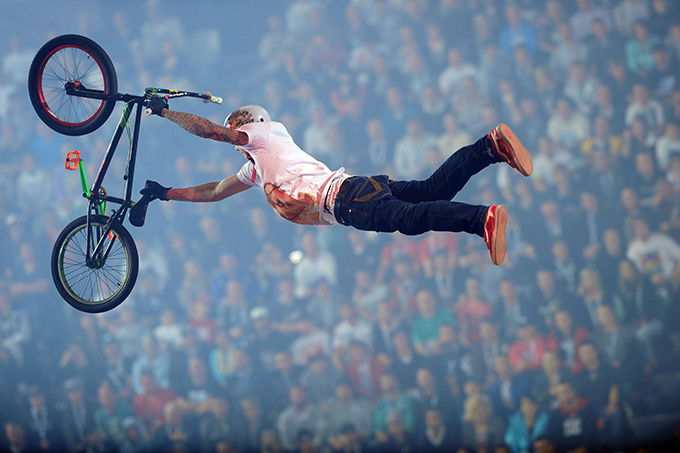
[[500, 145]]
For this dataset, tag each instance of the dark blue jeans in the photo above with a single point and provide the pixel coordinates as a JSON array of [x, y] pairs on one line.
[[377, 203]]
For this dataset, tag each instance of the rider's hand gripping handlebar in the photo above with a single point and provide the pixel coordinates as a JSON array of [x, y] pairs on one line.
[[207, 96]]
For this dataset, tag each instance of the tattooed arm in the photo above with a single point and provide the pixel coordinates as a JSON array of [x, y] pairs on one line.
[[205, 128], [211, 191]]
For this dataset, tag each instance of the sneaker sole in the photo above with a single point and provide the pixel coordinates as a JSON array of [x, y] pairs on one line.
[[498, 240], [522, 158]]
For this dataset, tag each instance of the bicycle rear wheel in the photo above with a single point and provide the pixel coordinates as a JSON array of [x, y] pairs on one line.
[[100, 285], [71, 60]]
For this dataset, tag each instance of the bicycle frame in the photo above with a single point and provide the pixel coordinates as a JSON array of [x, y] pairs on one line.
[[96, 254]]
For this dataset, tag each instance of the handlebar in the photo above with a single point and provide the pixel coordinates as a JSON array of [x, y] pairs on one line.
[[206, 97]]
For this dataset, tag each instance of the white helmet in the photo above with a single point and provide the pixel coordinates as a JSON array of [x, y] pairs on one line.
[[245, 115]]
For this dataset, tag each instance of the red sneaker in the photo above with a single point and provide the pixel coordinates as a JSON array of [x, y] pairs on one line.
[[494, 232], [506, 144]]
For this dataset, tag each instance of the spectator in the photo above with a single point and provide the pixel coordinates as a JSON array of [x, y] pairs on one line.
[[533, 120], [15, 334], [285, 375], [116, 369], [191, 347], [345, 408], [299, 415], [472, 308], [526, 426], [110, 414], [393, 403], [150, 401], [195, 396], [247, 377], [367, 294], [379, 148], [608, 258], [655, 255], [484, 430], [507, 389], [265, 341], [597, 377], [567, 51], [314, 265], [437, 436], [453, 74], [567, 338], [639, 50], [398, 438], [233, 309], [351, 327], [425, 328], [628, 13], [604, 179], [288, 310], [648, 110], [490, 346], [17, 60], [591, 295], [313, 341], [168, 333], [410, 150], [175, 434], [153, 359], [526, 352], [136, 438], [613, 110], [364, 370], [637, 303], [217, 425], [319, 379], [616, 339], [43, 423], [662, 79], [544, 385], [404, 362], [222, 357], [580, 87], [76, 415], [573, 424], [16, 440], [667, 146], [255, 425], [349, 440], [129, 333], [396, 113], [517, 32], [564, 266], [567, 127], [429, 394]]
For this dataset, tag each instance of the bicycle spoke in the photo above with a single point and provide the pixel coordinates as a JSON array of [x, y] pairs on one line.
[[94, 285], [71, 65]]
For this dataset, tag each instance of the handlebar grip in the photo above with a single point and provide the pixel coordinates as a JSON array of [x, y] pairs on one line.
[[208, 97]]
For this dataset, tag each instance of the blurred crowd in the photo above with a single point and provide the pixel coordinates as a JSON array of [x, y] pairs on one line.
[[247, 333]]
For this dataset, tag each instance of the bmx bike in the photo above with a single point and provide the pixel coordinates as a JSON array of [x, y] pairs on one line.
[[73, 88]]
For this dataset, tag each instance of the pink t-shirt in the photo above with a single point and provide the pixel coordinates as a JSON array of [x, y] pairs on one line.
[[296, 184]]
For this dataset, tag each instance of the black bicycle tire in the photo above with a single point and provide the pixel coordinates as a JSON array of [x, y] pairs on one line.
[[37, 97], [58, 273]]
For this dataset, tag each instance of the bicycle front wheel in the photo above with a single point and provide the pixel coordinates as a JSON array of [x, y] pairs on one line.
[[105, 281], [71, 61]]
